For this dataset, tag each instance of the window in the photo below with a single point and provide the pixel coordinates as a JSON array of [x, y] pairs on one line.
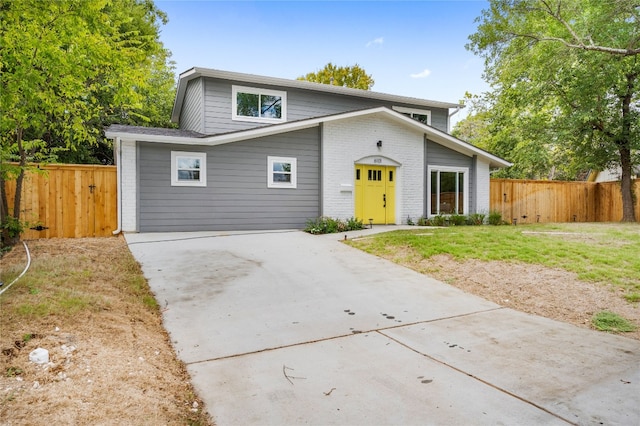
[[252, 104], [421, 115], [448, 190], [281, 172], [375, 175], [188, 168]]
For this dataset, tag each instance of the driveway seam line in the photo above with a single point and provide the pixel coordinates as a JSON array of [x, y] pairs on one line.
[[498, 388], [393, 327], [231, 234]]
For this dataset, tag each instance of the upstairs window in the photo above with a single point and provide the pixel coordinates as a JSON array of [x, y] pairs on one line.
[[421, 115], [259, 105], [188, 168]]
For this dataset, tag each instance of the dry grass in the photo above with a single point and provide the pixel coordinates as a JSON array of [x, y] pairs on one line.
[[111, 361]]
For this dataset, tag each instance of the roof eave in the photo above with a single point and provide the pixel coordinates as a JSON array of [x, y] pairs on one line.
[[438, 136]]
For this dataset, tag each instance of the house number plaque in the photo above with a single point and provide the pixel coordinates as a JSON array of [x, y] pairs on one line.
[[377, 160]]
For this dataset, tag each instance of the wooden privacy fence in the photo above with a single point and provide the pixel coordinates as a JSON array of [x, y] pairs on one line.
[[71, 201], [531, 201], [76, 201]]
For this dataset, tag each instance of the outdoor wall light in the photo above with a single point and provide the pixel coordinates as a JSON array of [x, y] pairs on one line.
[[379, 144]]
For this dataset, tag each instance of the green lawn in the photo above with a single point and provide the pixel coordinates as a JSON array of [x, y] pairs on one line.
[[603, 253]]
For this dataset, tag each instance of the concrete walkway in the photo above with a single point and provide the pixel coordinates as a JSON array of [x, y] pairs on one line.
[[285, 328]]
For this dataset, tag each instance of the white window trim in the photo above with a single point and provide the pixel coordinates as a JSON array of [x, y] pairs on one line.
[[465, 170], [412, 111], [294, 172], [202, 156], [257, 91]]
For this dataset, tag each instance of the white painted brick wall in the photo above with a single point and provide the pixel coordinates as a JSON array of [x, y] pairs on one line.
[[483, 183], [346, 141], [129, 186]]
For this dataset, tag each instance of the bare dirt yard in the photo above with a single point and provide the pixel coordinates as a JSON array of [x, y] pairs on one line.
[[110, 360], [535, 289]]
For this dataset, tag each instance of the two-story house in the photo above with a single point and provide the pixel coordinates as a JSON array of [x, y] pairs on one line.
[[255, 152]]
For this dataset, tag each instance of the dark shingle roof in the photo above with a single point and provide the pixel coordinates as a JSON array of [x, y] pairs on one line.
[[153, 131]]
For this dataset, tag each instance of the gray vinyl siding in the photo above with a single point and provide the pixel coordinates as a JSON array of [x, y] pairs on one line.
[[236, 196], [301, 104], [191, 117], [438, 155]]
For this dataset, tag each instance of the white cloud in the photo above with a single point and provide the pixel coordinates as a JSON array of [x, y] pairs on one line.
[[377, 41], [422, 74]]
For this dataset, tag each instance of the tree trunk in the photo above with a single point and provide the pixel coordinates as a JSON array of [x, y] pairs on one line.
[[624, 148], [4, 212], [11, 228], [628, 207]]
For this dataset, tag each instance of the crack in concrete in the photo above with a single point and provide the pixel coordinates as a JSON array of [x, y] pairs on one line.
[[340, 336], [485, 382]]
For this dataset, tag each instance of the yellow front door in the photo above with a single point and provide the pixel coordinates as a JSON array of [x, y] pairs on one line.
[[375, 194]]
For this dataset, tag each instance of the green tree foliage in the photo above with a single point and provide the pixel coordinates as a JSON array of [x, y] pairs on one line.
[[349, 76], [69, 67], [565, 76], [522, 136]]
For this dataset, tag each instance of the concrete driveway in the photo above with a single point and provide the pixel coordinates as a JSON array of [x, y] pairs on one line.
[[284, 328]]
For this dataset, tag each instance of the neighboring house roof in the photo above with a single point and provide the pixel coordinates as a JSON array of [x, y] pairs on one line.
[[193, 138], [611, 175], [196, 72]]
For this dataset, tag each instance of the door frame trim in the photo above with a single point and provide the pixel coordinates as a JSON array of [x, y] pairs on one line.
[[377, 160]]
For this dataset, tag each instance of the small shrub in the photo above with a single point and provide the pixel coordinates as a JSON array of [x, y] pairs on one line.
[[609, 321], [353, 224], [314, 226], [495, 218], [438, 220], [410, 221], [476, 219], [423, 221], [457, 219]]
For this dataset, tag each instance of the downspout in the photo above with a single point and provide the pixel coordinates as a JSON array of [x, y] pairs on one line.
[[457, 110], [118, 159]]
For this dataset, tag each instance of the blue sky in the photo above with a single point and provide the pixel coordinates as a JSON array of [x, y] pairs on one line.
[[411, 48]]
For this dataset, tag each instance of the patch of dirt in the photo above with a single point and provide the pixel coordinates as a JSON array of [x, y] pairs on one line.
[[534, 289], [111, 361]]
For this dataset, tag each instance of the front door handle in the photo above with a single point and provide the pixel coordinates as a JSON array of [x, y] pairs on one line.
[[384, 200]]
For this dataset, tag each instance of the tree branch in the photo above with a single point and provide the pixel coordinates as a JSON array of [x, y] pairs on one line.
[[590, 47], [578, 42]]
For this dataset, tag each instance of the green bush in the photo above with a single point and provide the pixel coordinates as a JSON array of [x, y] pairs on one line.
[[329, 225], [476, 219], [457, 219], [438, 220], [353, 224], [495, 218], [423, 221]]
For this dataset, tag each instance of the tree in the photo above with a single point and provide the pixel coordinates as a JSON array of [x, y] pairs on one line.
[[568, 71], [349, 76], [66, 67], [522, 136]]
